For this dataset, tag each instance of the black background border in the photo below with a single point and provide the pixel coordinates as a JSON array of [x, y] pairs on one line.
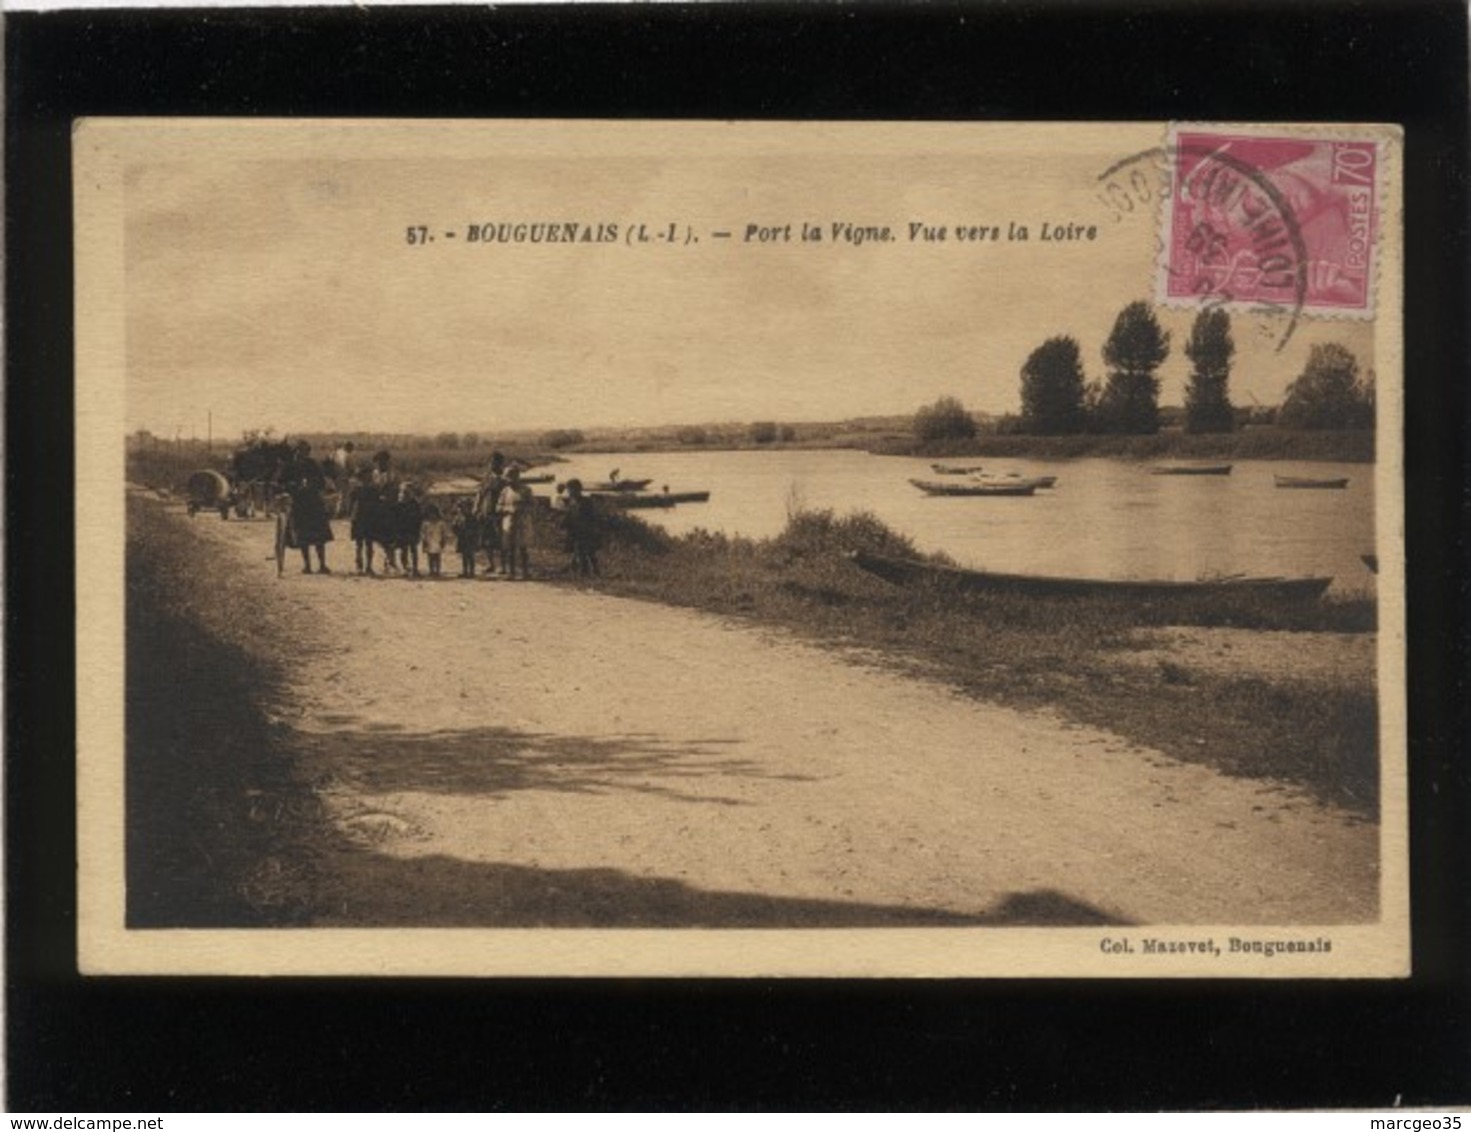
[[313, 1044]]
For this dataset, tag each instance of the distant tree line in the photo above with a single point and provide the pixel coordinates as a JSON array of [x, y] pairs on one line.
[[562, 438], [1058, 400], [769, 432]]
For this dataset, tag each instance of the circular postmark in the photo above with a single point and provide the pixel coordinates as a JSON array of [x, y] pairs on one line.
[[1227, 234]]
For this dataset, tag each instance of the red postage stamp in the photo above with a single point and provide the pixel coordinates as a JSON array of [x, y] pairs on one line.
[[1290, 222]]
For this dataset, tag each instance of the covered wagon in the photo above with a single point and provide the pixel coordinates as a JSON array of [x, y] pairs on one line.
[[209, 490]]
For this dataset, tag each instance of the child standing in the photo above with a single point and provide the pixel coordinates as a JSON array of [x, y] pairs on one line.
[[408, 518], [466, 528], [582, 527], [433, 534]]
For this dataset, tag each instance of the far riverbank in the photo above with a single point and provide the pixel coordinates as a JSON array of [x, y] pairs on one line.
[[1258, 442]]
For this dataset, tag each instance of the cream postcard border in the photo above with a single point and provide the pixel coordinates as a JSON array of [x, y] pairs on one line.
[[101, 149]]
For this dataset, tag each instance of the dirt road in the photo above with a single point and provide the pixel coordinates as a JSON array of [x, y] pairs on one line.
[[493, 753]]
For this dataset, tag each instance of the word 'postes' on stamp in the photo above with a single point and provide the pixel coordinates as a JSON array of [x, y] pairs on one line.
[[1287, 222]]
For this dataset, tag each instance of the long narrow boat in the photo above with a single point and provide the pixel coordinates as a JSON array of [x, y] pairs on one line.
[[631, 501], [1191, 470], [955, 469], [911, 571], [974, 487], [688, 496], [618, 485], [1302, 482], [1017, 477]]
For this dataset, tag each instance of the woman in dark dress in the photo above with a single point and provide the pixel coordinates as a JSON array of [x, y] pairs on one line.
[[308, 525], [373, 525]]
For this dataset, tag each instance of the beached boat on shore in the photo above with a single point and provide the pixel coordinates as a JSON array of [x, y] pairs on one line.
[[1191, 470], [913, 571], [975, 487], [1307, 482]]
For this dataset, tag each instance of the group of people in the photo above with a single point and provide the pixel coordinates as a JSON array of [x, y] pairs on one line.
[[387, 513]]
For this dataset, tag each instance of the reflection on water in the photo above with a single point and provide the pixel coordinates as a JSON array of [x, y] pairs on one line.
[[1105, 518]]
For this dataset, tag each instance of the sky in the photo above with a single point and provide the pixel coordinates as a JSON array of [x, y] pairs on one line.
[[270, 280]]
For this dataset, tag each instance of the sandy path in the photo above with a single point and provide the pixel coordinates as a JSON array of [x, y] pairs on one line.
[[488, 733]]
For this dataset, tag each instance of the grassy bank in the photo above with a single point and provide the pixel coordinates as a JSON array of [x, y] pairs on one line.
[[213, 813], [1060, 654]]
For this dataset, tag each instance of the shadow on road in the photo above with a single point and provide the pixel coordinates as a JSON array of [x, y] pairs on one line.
[[362, 888], [493, 761]]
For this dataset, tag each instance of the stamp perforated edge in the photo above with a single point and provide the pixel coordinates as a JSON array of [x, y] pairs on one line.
[[1386, 139]]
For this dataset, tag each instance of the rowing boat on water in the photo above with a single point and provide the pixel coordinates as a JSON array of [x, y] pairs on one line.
[[1191, 470], [911, 571], [975, 487], [1018, 478], [1308, 482]]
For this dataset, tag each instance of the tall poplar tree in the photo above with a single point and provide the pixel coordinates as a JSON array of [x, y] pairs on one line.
[[1210, 349], [1134, 351]]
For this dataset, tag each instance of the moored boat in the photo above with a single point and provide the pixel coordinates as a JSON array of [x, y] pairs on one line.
[[618, 485], [955, 469], [912, 571], [975, 487], [1017, 477], [631, 501], [1191, 470], [687, 496], [1309, 482]]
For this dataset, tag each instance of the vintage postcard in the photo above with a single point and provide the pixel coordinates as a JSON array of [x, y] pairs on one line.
[[563, 548]]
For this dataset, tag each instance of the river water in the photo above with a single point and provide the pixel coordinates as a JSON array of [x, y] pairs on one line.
[[1105, 518]]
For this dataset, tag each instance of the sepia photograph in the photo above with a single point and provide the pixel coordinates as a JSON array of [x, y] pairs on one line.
[[824, 549]]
